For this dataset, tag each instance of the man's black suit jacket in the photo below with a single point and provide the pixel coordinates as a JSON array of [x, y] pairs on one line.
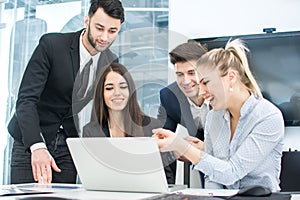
[[175, 109], [45, 96]]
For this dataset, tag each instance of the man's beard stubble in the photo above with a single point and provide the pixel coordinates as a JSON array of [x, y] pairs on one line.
[[93, 44]]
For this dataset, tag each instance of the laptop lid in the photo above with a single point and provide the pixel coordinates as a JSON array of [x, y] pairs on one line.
[[119, 164]]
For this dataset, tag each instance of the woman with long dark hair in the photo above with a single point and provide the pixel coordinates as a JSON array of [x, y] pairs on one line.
[[116, 112]]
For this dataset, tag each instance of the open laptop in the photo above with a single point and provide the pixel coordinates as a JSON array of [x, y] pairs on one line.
[[131, 164]]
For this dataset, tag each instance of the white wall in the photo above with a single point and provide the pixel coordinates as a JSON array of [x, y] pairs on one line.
[[200, 19]]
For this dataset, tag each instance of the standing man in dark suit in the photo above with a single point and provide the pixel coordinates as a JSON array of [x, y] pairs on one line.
[[44, 118], [180, 102]]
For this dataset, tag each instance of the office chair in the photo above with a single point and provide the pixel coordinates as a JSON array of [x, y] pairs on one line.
[[290, 171], [186, 174]]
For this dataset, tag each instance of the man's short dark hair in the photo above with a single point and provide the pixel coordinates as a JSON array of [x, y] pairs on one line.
[[188, 51], [113, 8]]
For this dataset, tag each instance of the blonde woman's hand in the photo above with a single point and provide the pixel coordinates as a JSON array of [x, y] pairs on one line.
[[195, 142], [169, 141]]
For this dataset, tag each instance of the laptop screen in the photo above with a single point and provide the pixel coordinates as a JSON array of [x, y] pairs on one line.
[[119, 164]]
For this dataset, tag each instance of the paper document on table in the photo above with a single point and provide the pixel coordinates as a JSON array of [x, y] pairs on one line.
[[53, 187], [10, 190], [209, 192]]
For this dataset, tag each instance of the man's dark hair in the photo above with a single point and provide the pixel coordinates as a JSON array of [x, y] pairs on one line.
[[188, 51], [113, 8]]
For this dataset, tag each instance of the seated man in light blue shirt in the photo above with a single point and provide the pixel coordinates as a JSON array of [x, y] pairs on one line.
[[243, 133]]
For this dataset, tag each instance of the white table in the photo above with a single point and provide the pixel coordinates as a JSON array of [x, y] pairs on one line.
[[76, 191]]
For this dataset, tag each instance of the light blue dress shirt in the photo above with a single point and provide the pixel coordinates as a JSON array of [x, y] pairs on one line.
[[253, 156]]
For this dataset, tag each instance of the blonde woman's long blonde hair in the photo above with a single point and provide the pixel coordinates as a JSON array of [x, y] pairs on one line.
[[233, 56]]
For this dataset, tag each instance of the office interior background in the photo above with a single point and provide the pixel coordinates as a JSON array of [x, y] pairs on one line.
[[152, 28]]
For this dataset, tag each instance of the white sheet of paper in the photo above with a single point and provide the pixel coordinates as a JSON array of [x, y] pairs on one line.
[[209, 192]]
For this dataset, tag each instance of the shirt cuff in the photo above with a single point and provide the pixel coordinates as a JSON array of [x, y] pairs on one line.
[[39, 145], [202, 154]]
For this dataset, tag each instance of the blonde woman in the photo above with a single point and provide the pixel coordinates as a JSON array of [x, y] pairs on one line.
[[243, 132]]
